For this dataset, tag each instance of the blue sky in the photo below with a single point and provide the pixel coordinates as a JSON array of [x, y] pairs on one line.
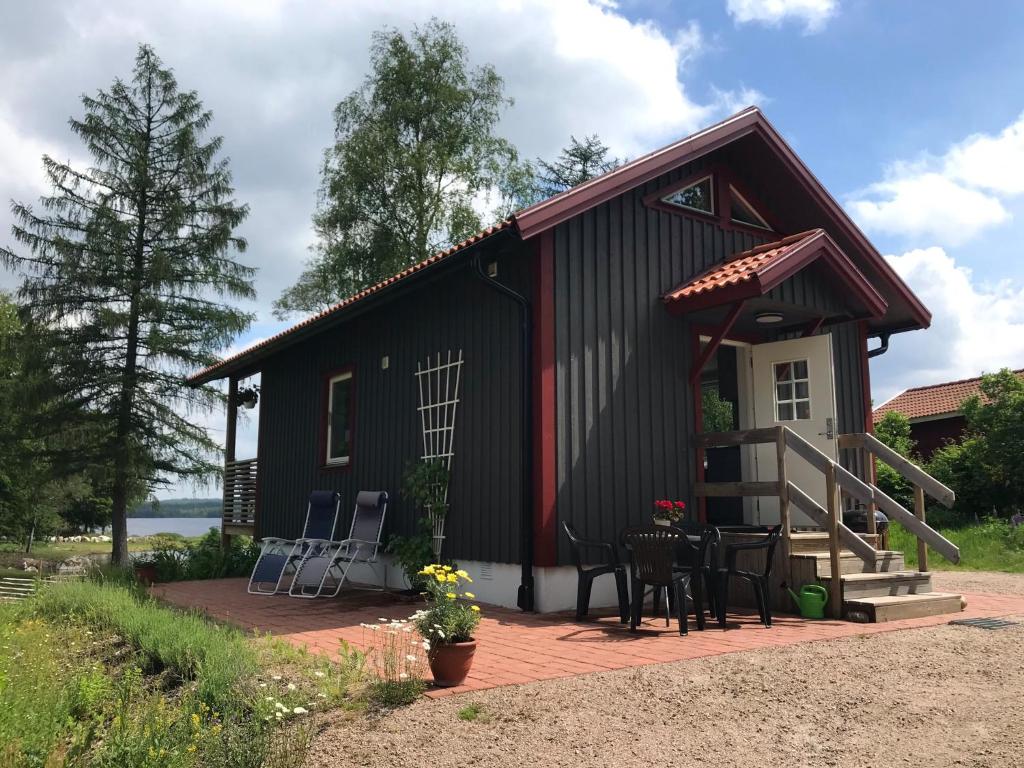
[[910, 112]]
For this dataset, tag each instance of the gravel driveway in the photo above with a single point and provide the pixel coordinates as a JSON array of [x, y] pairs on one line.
[[939, 696]]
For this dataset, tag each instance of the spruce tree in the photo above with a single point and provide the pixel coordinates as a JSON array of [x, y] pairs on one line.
[[125, 273]]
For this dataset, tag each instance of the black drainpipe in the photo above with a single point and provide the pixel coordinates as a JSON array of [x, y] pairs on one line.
[[880, 350], [526, 591]]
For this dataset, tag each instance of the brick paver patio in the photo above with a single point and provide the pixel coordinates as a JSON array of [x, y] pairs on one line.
[[517, 648]]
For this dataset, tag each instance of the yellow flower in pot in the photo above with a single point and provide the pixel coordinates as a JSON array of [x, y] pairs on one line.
[[448, 624]]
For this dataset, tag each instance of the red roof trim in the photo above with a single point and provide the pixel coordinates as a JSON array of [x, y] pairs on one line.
[[561, 207], [548, 213], [757, 271], [219, 370]]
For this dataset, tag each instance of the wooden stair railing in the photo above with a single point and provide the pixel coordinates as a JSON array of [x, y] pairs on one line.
[[838, 481], [923, 483], [239, 513]]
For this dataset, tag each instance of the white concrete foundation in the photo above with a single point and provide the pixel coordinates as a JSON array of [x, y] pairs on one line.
[[498, 584]]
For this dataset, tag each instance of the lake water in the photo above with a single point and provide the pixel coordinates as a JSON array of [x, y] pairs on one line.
[[186, 526]]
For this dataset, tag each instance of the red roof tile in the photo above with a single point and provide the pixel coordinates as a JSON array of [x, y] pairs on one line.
[[212, 372], [932, 400], [742, 268]]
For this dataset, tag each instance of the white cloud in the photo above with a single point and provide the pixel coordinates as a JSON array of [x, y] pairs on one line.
[[951, 198], [928, 204], [813, 13], [273, 71], [976, 327]]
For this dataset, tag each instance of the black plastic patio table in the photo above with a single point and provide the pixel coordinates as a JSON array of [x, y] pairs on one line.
[[694, 539]]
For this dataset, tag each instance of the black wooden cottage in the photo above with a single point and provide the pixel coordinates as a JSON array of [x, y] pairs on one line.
[[594, 327]]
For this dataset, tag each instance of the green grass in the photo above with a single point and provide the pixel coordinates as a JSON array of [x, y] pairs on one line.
[[59, 551], [214, 658], [993, 545], [473, 712], [99, 675]]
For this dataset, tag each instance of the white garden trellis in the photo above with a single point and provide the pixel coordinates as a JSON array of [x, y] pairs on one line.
[[439, 382]]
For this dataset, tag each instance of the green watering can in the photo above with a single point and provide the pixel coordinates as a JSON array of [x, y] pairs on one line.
[[811, 600]]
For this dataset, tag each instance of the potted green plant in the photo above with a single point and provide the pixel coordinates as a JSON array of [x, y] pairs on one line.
[[412, 554], [448, 624], [425, 484]]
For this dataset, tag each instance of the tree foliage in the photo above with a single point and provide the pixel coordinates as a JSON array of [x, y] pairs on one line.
[[992, 455], [894, 431], [125, 273], [415, 148], [580, 161]]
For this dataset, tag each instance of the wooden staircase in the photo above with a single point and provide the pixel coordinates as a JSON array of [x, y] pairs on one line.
[[863, 582], [885, 592]]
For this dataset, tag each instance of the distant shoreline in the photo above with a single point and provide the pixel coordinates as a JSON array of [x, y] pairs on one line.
[[178, 508]]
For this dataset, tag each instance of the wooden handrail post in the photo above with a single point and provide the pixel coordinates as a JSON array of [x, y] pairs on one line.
[[922, 547], [870, 470], [784, 517], [836, 583]]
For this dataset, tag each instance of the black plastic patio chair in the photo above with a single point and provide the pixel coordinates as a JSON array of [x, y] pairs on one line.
[[700, 558], [759, 582], [653, 551], [586, 576]]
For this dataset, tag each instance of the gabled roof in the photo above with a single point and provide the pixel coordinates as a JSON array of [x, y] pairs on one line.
[[933, 400], [228, 365], [755, 272], [548, 213], [750, 121]]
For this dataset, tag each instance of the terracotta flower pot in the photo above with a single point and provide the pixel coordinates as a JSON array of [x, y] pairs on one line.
[[145, 574], [450, 663]]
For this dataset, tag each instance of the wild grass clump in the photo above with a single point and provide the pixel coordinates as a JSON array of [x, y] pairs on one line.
[[212, 658], [96, 675], [991, 545]]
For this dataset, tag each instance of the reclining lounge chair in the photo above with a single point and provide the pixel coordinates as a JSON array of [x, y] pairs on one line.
[[325, 567], [281, 557]]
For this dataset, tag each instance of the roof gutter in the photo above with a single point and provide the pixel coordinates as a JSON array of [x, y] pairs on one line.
[[525, 599], [882, 348]]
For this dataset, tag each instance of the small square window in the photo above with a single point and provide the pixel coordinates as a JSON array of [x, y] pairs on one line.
[[792, 391]]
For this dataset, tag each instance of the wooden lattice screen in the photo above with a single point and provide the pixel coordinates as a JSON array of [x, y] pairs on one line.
[[439, 382]]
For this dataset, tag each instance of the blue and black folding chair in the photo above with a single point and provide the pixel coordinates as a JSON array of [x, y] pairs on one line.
[[280, 558], [325, 567]]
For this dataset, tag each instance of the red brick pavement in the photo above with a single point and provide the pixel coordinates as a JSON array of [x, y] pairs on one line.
[[514, 647]]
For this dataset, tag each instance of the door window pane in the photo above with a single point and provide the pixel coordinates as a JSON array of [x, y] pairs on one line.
[[792, 391]]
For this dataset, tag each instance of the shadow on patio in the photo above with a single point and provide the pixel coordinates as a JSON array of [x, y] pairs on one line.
[[515, 647]]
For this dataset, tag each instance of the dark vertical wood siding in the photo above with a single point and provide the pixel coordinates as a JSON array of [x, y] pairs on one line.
[[451, 312], [624, 405]]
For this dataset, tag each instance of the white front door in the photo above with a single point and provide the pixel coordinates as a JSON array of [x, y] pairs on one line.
[[794, 385]]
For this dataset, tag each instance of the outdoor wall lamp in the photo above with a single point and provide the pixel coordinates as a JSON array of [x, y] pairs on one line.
[[768, 318]]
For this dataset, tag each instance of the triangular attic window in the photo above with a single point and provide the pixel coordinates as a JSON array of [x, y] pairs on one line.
[[697, 196], [743, 212]]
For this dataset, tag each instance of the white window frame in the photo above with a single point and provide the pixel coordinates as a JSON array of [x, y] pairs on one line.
[[792, 381], [337, 461], [710, 178], [763, 225]]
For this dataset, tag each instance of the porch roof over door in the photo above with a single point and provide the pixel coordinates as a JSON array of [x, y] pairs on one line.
[[751, 275], [751, 284]]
